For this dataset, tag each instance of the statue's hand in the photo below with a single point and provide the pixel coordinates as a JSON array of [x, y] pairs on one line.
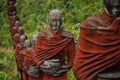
[[33, 71], [63, 69], [50, 66]]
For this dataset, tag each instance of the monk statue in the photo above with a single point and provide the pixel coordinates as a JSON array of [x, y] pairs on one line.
[[16, 37], [12, 20], [29, 65], [52, 48], [15, 28], [27, 44], [19, 47], [11, 8], [98, 46]]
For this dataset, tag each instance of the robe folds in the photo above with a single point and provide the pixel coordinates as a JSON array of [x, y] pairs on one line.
[[19, 54], [29, 61], [98, 46], [55, 45]]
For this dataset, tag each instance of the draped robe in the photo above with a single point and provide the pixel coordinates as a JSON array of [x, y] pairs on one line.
[[98, 46], [54, 45], [29, 61]]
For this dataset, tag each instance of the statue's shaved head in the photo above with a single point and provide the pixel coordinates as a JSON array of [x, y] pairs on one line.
[[55, 13], [55, 19], [113, 7]]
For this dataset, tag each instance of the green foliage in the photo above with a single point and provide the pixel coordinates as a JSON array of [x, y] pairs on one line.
[[33, 16], [4, 76], [8, 64]]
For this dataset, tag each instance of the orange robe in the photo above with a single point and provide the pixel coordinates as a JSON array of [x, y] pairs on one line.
[[54, 45], [29, 61], [12, 22], [19, 50], [98, 46]]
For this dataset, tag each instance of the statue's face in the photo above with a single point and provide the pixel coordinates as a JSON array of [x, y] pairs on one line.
[[34, 38], [22, 39], [113, 7], [20, 30], [17, 23], [55, 22]]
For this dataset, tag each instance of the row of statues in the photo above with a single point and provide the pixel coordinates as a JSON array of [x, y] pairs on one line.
[[51, 53]]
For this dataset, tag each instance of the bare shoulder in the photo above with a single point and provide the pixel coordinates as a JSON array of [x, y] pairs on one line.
[[67, 34]]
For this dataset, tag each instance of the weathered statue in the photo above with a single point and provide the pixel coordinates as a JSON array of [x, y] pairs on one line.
[[98, 47], [27, 44], [52, 48], [19, 54], [15, 28], [11, 8], [12, 20], [29, 65], [16, 37]]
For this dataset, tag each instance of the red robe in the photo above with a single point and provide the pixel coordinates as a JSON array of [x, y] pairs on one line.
[[19, 50], [12, 22], [98, 46], [54, 45], [29, 61]]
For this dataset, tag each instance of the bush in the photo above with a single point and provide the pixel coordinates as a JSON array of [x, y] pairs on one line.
[[4, 76]]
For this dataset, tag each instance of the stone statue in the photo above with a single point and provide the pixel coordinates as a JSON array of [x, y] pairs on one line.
[[20, 54], [19, 47], [52, 46], [12, 20], [15, 28], [11, 8], [16, 37], [29, 65], [98, 44]]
